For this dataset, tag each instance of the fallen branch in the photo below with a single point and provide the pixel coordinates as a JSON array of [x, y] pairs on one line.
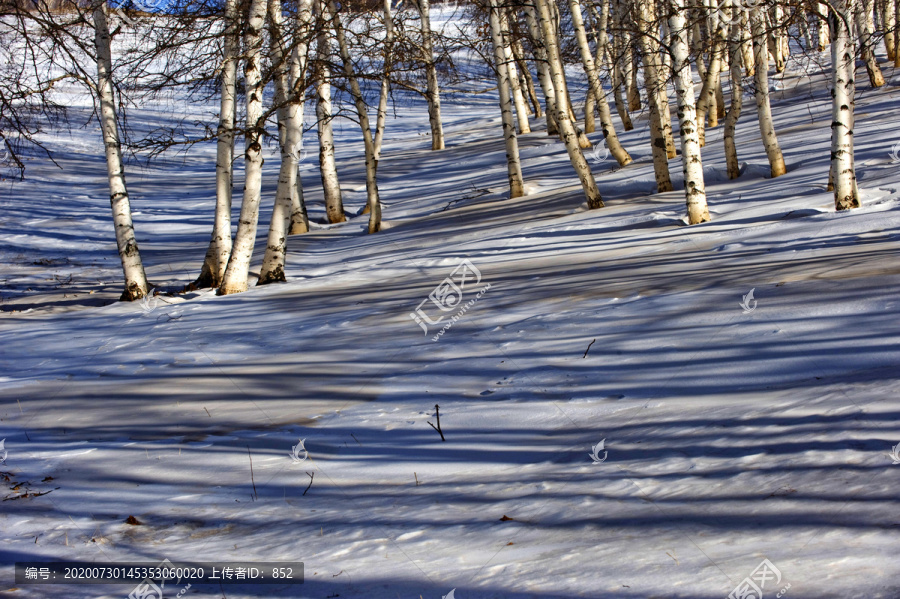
[[588, 349], [437, 414], [310, 475]]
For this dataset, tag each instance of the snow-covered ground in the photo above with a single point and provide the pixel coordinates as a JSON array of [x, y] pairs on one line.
[[734, 429]]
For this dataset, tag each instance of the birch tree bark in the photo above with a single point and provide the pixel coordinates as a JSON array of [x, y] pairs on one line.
[[334, 204], [219, 250], [843, 173], [691, 161], [737, 91], [566, 129], [544, 78], [235, 280], [373, 203], [707, 104], [650, 54], [385, 78], [499, 39], [433, 91], [763, 108], [863, 12], [273, 264], [298, 79], [513, 77], [596, 87], [136, 285]]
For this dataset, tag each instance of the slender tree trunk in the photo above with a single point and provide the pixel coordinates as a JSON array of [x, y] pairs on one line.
[[273, 263], [737, 93], [886, 11], [219, 250], [373, 203], [650, 54], [763, 108], [896, 33], [299, 63], [433, 92], [235, 280], [596, 87], [846, 195], [499, 39], [821, 25], [544, 78], [567, 130], [334, 204], [863, 13], [136, 285], [692, 163], [385, 78], [527, 81], [513, 78], [707, 105]]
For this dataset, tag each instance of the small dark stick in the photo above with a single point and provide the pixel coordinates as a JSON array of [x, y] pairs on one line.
[[310, 481], [588, 349], [437, 414], [251, 472]]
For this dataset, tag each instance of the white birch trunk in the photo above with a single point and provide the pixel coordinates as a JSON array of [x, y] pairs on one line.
[[373, 203], [863, 13], [544, 78], [763, 108], [298, 79], [432, 89], [513, 74], [822, 25], [596, 87], [385, 78], [737, 93], [566, 129], [235, 280], [334, 204], [691, 161], [499, 39], [136, 285], [650, 54], [846, 195], [273, 263]]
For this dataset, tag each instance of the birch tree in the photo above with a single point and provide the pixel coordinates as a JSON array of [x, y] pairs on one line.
[[737, 89], [763, 108], [136, 285], [566, 129], [334, 204], [650, 57], [373, 203], [846, 194], [433, 91], [235, 280], [213, 270], [499, 39], [596, 87], [692, 163]]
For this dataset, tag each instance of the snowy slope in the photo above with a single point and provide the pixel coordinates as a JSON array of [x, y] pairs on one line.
[[730, 434]]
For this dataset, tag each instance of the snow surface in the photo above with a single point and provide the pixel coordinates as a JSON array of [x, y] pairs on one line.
[[731, 435]]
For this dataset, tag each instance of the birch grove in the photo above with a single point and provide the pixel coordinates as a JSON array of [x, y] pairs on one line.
[[634, 67]]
